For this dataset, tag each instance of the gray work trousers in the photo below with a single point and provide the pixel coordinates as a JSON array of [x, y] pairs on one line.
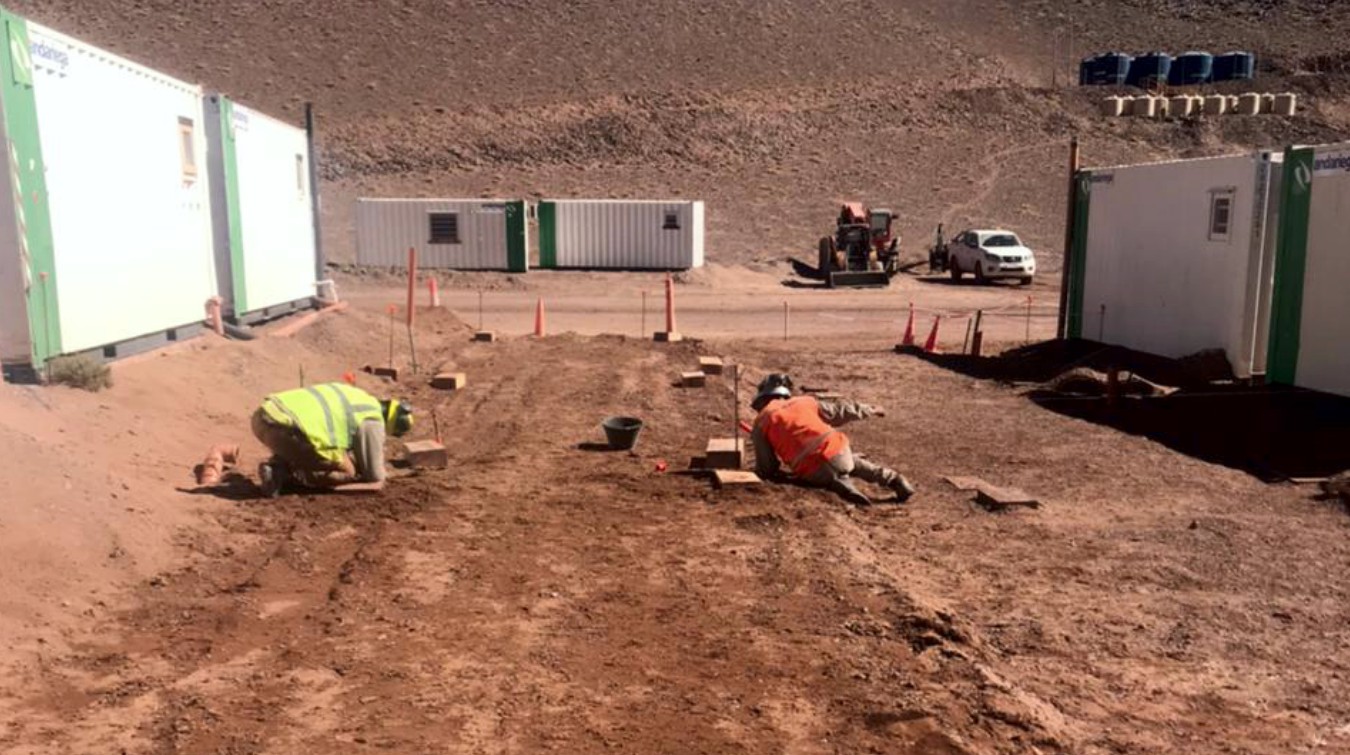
[[842, 468]]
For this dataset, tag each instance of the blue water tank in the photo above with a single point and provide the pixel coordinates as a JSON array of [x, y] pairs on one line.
[[1191, 68], [1235, 66], [1150, 69], [1107, 69]]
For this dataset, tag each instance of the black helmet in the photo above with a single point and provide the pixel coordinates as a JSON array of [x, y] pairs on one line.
[[774, 386], [398, 416]]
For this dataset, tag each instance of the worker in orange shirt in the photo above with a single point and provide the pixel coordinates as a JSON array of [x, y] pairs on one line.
[[800, 433]]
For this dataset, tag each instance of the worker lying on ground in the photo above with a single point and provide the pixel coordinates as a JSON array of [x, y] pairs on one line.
[[799, 432], [326, 435]]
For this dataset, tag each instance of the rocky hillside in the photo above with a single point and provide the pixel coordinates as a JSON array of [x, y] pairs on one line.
[[773, 112]]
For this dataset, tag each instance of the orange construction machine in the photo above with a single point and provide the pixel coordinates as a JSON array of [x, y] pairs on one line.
[[864, 250]]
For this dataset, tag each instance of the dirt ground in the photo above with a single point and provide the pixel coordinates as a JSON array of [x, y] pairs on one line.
[[541, 595]]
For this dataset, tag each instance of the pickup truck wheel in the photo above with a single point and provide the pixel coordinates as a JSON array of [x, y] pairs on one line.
[[1025, 281], [954, 269], [979, 274]]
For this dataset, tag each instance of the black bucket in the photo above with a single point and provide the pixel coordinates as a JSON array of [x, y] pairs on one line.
[[622, 432]]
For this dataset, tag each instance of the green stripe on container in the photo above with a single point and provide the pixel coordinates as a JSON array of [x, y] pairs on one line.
[[233, 206], [1291, 266], [21, 126], [1078, 256], [548, 235], [517, 256]]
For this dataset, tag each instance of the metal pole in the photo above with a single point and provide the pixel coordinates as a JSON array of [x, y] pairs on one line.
[[320, 261], [1066, 272]]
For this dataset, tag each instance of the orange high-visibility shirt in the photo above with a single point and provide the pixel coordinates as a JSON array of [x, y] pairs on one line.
[[799, 436]]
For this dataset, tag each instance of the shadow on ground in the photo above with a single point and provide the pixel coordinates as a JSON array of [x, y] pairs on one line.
[[1272, 432]]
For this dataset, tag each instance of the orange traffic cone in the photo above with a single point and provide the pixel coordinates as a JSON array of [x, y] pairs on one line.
[[908, 339], [931, 344], [539, 318]]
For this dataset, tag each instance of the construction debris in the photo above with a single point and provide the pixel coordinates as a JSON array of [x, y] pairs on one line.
[[710, 365], [485, 336], [218, 459]]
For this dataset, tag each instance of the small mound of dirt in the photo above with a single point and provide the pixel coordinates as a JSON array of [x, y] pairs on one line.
[[1085, 381]]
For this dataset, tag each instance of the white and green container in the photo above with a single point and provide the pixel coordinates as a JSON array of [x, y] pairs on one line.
[[1175, 258], [105, 245], [620, 234], [263, 211], [448, 234], [1310, 328]]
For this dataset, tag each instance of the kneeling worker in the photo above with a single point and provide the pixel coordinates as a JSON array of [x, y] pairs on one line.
[[800, 432], [326, 435]]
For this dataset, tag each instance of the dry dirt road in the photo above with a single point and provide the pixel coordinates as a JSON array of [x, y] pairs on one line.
[[539, 595], [732, 302]]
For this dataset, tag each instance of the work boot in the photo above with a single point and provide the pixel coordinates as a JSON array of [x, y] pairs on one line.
[[271, 478], [903, 490], [844, 488]]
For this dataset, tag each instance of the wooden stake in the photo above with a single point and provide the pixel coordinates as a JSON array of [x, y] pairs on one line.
[[393, 308], [970, 326], [436, 425], [736, 414]]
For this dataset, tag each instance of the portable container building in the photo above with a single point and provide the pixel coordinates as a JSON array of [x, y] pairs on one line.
[[106, 244], [263, 210], [1176, 258], [621, 234], [1311, 322], [452, 234]]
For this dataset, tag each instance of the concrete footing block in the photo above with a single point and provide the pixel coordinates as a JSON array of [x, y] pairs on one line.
[[725, 453], [427, 454]]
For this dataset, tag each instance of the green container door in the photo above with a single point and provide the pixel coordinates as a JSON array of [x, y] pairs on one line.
[[548, 235], [1291, 264], [27, 176], [517, 248]]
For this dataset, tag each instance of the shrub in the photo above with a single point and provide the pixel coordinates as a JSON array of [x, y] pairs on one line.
[[80, 371]]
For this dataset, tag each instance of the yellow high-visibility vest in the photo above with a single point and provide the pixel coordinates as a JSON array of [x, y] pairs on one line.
[[329, 415]]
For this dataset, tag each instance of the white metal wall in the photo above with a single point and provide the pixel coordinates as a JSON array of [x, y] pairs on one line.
[[387, 228], [1166, 288], [628, 234], [272, 160], [1324, 337], [132, 237]]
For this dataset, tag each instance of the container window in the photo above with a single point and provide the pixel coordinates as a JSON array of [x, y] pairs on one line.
[[672, 221], [187, 148], [1220, 215], [444, 228]]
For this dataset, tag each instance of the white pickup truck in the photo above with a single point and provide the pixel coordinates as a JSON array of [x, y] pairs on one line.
[[990, 254]]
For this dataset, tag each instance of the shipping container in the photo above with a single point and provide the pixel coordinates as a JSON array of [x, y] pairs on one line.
[[450, 234], [263, 212], [604, 234], [1311, 324], [107, 241], [1178, 257]]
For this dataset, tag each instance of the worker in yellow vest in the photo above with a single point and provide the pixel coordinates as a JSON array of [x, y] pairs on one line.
[[326, 435], [800, 432]]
